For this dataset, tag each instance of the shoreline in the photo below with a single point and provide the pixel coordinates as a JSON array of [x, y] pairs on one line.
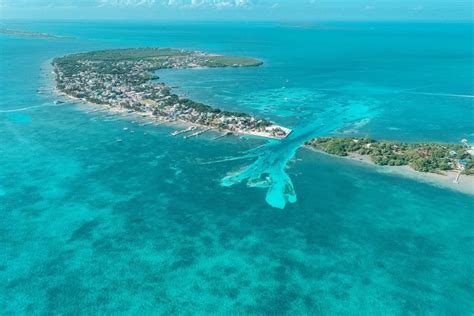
[[130, 90], [40, 35], [465, 185], [148, 116]]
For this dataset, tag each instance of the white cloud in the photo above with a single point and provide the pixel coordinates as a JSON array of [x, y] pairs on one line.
[[126, 3], [418, 8], [242, 3], [197, 3], [219, 4], [369, 8]]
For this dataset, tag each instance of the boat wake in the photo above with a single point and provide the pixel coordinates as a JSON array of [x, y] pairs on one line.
[[27, 108], [445, 95]]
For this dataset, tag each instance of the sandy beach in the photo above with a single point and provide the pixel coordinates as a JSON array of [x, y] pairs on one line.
[[446, 180], [150, 117]]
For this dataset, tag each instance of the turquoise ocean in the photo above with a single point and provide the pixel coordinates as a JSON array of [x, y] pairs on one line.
[[162, 225]]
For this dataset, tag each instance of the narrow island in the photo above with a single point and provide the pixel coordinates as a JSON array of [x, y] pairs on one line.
[[432, 158], [32, 34], [125, 79]]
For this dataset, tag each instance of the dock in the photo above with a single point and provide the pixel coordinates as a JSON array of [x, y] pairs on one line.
[[456, 181], [197, 133], [222, 136], [109, 118], [176, 133], [94, 111], [145, 124]]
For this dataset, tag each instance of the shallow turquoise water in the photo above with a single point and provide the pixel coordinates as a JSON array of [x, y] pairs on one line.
[[147, 226]]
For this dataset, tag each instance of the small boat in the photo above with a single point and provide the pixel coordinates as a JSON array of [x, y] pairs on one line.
[[118, 140], [58, 102]]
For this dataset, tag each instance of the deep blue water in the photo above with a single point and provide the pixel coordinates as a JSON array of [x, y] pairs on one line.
[[157, 224]]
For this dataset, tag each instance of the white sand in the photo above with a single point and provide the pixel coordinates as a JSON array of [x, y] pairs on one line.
[[445, 180]]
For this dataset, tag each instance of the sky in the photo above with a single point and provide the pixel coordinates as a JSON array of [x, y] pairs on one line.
[[263, 10]]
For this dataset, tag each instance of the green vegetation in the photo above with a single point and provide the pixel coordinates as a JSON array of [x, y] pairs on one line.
[[124, 78], [424, 157], [126, 54], [158, 55], [32, 34], [232, 61]]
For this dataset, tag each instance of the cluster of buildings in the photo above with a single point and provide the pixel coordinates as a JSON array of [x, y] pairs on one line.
[[130, 84]]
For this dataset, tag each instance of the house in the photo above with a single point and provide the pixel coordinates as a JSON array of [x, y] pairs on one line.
[[462, 164]]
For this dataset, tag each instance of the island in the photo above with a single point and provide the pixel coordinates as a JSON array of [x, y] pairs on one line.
[[422, 157], [125, 79], [32, 34]]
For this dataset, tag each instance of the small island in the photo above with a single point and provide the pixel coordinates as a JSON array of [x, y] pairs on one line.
[[423, 157], [32, 34], [125, 79]]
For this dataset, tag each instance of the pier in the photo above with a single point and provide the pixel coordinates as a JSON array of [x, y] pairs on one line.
[[197, 133], [456, 181], [222, 136], [191, 128], [94, 111], [145, 124]]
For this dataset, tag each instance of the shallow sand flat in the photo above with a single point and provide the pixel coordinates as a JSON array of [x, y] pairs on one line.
[[464, 185]]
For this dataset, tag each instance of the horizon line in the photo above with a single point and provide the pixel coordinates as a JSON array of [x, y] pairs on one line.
[[233, 19]]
